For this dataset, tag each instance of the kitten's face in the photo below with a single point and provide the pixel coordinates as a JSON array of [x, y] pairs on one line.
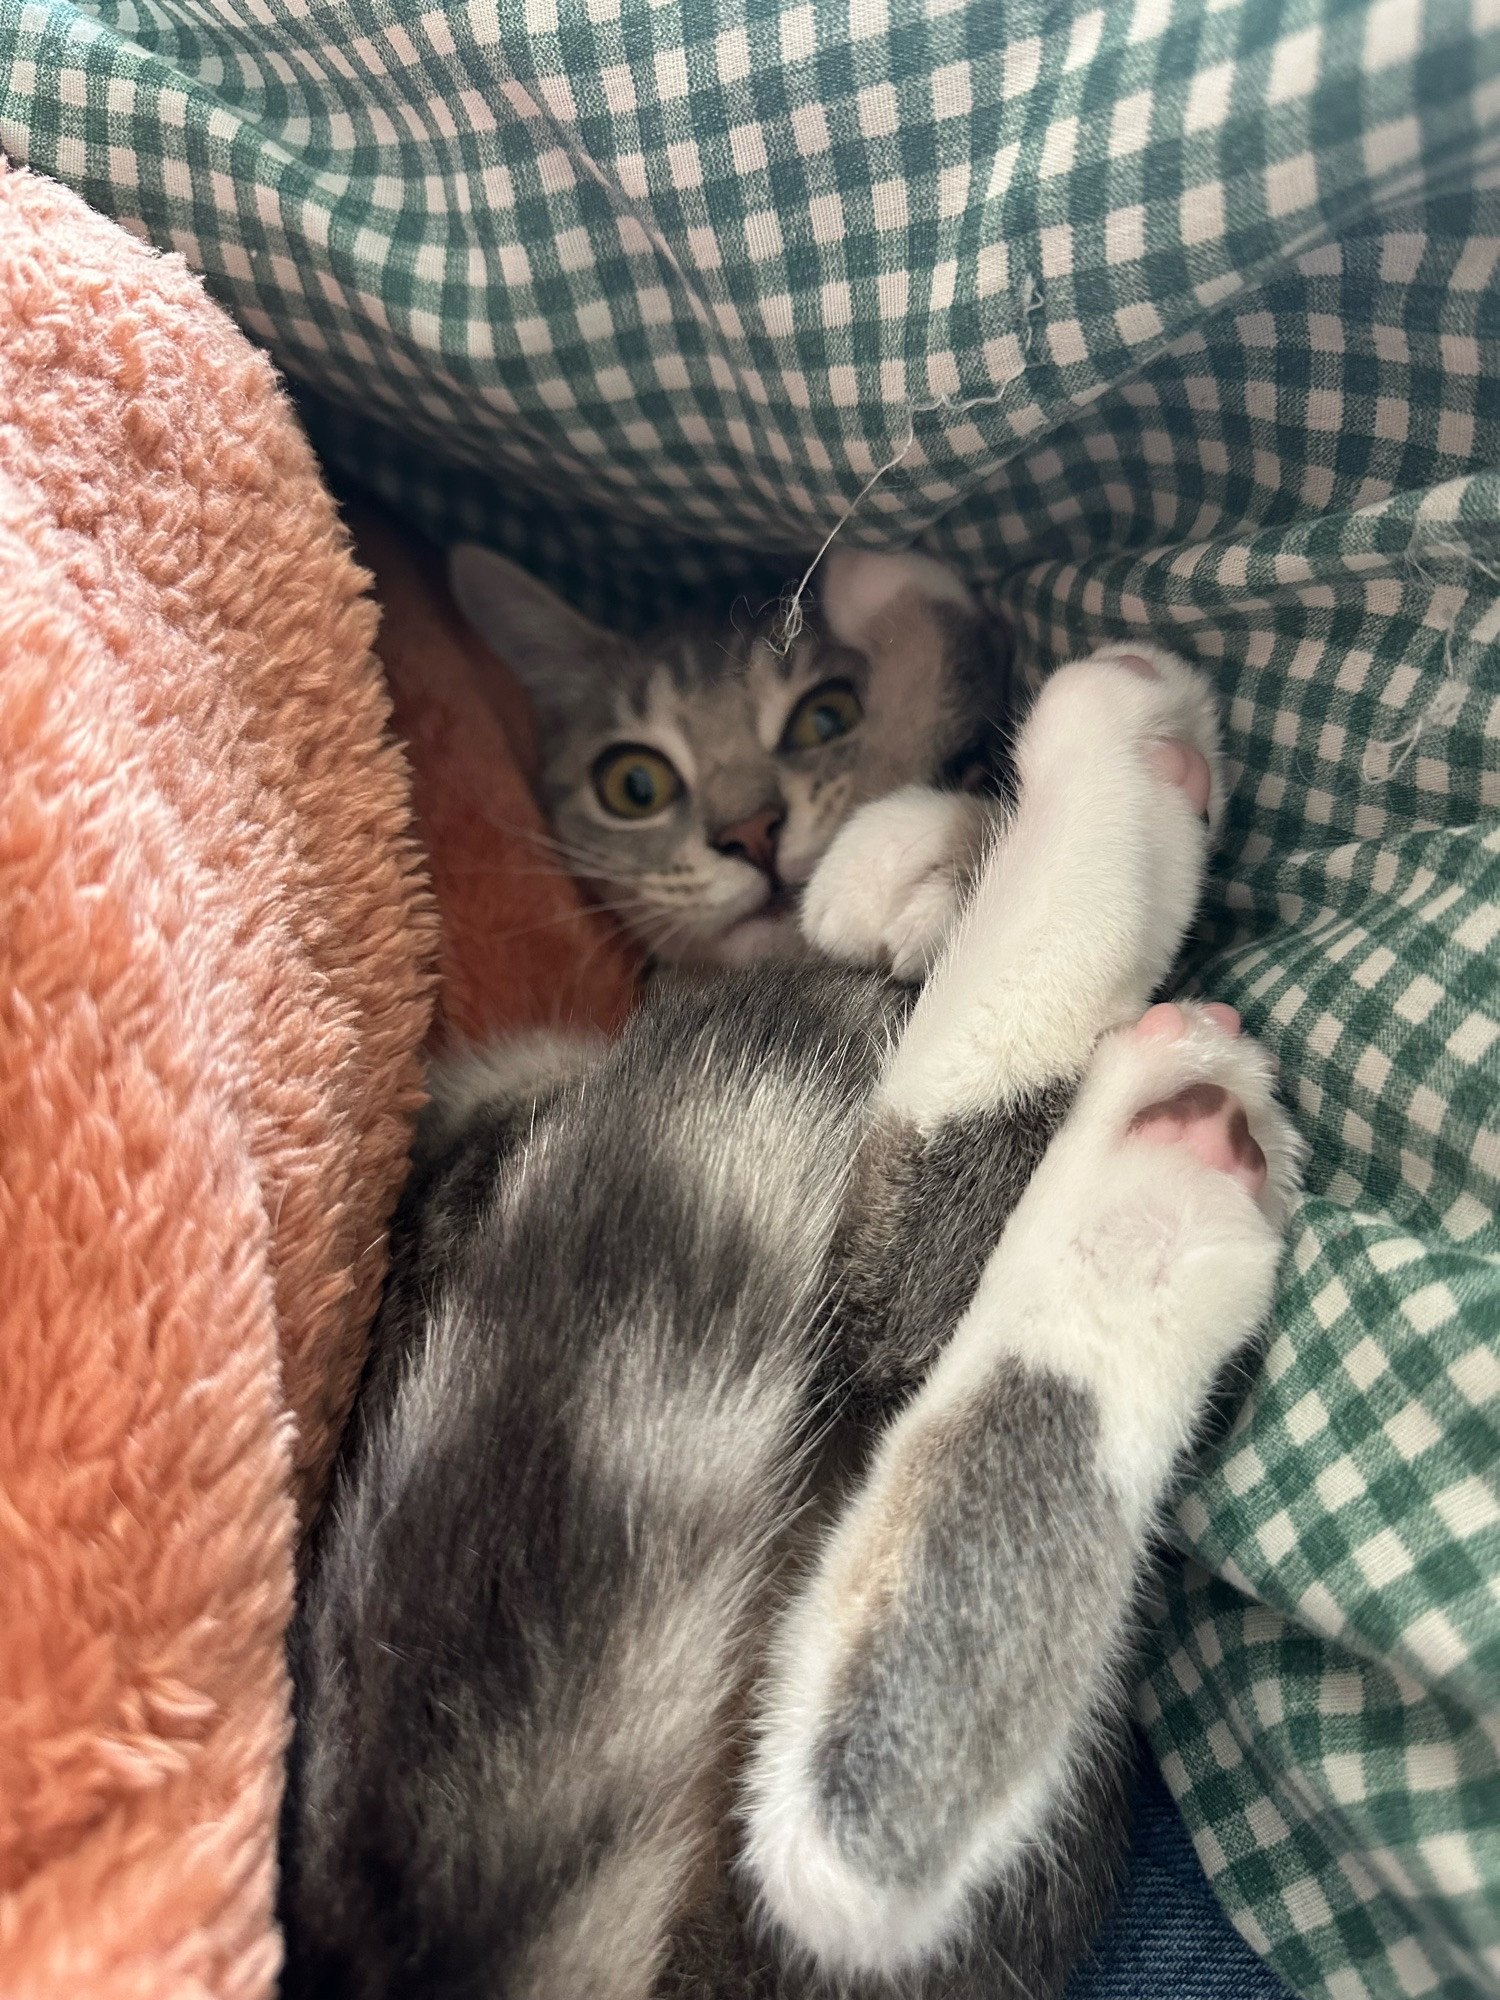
[[695, 779]]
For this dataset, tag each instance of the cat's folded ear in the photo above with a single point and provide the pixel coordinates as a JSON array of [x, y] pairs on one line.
[[937, 667], [860, 589], [553, 651]]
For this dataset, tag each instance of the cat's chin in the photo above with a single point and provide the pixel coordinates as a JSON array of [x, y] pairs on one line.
[[755, 939]]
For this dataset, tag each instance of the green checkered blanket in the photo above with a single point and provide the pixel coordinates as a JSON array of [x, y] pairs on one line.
[[1177, 318]]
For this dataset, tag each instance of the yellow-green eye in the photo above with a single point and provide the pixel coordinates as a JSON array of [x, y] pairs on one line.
[[829, 710], [635, 783]]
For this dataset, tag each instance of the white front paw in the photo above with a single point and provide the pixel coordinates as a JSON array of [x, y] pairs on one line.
[[890, 887]]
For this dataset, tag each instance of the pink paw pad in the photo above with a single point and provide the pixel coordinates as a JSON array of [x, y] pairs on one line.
[[1204, 1117], [1166, 1022], [1180, 764]]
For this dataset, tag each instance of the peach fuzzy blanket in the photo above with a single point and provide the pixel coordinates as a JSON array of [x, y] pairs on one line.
[[213, 935], [216, 945]]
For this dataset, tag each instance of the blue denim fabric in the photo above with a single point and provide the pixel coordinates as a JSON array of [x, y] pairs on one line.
[[1168, 1939]]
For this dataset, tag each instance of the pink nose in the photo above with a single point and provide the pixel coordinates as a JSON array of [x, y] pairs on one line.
[[753, 839]]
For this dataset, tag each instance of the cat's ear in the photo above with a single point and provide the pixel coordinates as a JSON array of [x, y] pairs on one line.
[[860, 588], [925, 640], [555, 653]]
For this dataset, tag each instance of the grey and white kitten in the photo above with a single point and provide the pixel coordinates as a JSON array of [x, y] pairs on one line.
[[728, 1582], [694, 778]]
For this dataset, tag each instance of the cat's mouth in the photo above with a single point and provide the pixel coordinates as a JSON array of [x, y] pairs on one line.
[[768, 931], [780, 900]]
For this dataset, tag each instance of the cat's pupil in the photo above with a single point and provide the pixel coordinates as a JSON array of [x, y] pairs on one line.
[[640, 786], [826, 721]]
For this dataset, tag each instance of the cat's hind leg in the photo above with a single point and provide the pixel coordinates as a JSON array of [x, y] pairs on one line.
[[939, 1682]]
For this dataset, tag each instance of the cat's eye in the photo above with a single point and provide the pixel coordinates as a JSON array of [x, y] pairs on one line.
[[633, 782], [827, 711]]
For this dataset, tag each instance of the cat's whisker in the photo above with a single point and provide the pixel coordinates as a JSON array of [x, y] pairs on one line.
[[622, 911], [510, 871], [594, 950], [531, 836], [503, 871], [558, 922]]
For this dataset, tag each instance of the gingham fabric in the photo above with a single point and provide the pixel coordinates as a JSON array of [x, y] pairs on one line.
[[1176, 318]]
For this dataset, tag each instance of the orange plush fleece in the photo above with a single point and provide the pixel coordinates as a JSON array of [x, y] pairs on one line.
[[213, 942]]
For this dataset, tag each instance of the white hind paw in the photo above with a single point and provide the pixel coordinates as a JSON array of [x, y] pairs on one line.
[[1144, 1252], [889, 889], [1172, 702], [1184, 1077]]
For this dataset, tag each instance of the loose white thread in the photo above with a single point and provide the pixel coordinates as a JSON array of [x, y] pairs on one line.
[[1030, 303], [1384, 756]]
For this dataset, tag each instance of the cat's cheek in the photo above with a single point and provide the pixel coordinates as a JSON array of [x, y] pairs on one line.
[[796, 865], [816, 808]]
